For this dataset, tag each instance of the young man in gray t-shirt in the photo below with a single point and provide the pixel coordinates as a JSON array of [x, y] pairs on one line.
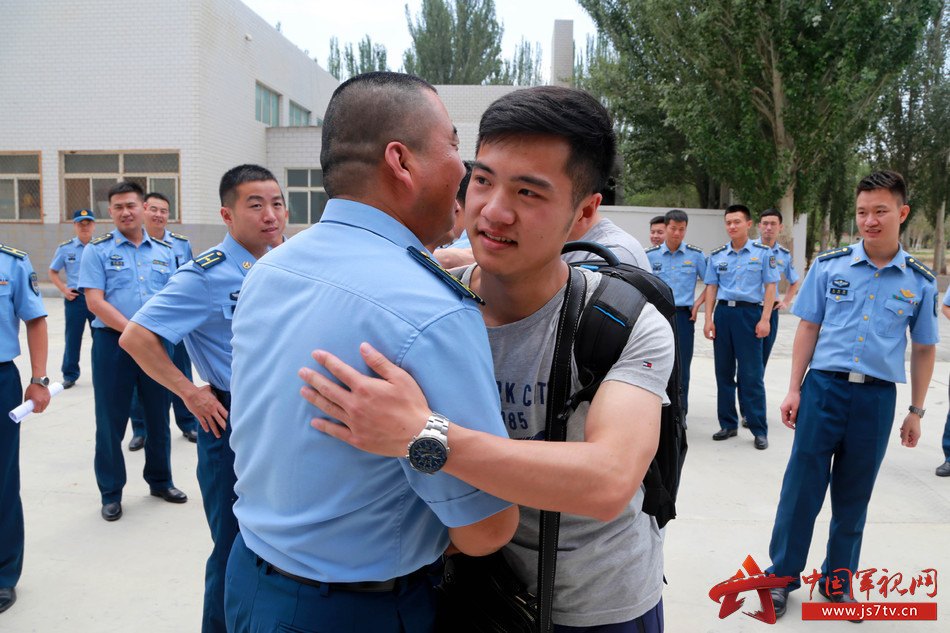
[[543, 155]]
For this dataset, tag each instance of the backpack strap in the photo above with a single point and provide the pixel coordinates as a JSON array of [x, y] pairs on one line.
[[557, 413]]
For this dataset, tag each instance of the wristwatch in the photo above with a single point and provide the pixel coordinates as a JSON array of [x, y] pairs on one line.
[[429, 450], [914, 409], [44, 380]]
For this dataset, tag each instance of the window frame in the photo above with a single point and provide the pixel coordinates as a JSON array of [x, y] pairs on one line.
[[266, 100], [309, 191], [16, 177]]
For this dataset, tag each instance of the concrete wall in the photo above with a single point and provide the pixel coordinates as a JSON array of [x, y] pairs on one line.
[[465, 105]]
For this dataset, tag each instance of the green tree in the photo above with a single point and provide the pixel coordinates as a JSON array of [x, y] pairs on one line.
[[457, 43], [366, 58], [334, 62], [523, 69], [763, 90]]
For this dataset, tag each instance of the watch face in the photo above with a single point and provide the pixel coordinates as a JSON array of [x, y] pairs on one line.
[[427, 455]]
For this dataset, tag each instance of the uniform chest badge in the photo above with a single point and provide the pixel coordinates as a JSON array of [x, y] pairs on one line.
[[753, 259], [159, 262], [723, 267], [71, 259], [116, 260], [4, 282], [907, 294], [839, 291], [840, 283], [234, 295], [657, 266], [687, 263]]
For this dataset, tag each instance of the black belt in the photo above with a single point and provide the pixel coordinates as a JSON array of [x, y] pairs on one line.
[[6, 362], [224, 397], [854, 377], [741, 304], [382, 586], [684, 308]]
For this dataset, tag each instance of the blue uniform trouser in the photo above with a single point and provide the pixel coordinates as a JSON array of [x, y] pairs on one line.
[[946, 439], [769, 340], [259, 599], [685, 331], [216, 479], [184, 418], [77, 314], [11, 508], [840, 438], [114, 376], [738, 354]]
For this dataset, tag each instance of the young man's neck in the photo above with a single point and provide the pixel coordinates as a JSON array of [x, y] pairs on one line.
[[508, 299], [881, 254], [739, 243], [256, 250], [156, 233], [136, 235], [671, 247], [768, 242]]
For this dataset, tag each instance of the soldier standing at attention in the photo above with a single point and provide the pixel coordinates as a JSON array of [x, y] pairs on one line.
[[770, 225], [740, 282]]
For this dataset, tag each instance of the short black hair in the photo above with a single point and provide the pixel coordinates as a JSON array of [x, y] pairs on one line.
[[567, 113], [738, 208], [125, 186], [658, 219], [676, 215], [239, 175], [366, 113], [886, 179], [463, 187], [774, 212], [160, 196]]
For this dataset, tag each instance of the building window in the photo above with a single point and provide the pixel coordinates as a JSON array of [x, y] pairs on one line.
[[20, 187], [305, 195], [88, 176], [266, 105], [299, 116]]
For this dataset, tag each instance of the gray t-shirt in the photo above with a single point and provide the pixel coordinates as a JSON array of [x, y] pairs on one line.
[[606, 572], [625, 246]]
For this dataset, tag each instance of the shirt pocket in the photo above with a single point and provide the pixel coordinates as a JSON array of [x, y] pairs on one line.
[[6, 289], [893, 319], [838, 306], [118, 277], [159, 276], [227, 310]]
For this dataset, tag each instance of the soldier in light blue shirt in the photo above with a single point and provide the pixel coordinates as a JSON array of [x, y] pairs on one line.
[[740, 282], [19, 301], [120, 271], [943, 470], [68, 255], [332, 538], [856, 305], [770, 225], [680, 264], [196, 307]]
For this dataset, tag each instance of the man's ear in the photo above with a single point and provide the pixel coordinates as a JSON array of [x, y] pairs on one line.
[[585, 214], [227, 215], [904, 212], [398, 158]]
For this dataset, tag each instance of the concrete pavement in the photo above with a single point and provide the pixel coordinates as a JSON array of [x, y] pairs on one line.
[[145, 572]]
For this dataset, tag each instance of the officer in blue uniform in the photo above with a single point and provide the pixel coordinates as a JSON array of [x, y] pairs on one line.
[[157, 208], [740, 278], [856, 305], [19, 301], [943, 470], [120, 271], [680, 264], [68, 255], [196, 307], [332, 538], [770, 225]]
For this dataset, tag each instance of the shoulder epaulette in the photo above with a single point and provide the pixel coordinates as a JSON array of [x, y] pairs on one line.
[[162, 242], [210, 258], [9, 250], [652, 248], [178, 236], [838, 252], [433, 266], [760, 245], [719, 250], [694, 248], [783, 249], [66, 243], [923, 270], [102, 238]]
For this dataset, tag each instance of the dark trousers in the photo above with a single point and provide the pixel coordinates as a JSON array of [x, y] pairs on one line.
[[769, 340], [840, 439], [77, 314], [216, 479], [11, 507], [946, 439], [258, 599], [184, 418], [114, 376], [738, 355], [649, 622], [686, 331]]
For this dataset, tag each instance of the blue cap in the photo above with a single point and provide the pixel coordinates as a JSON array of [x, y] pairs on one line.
[[83, 214]]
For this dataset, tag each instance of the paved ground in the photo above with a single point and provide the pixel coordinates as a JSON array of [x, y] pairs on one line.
[[145, 572]]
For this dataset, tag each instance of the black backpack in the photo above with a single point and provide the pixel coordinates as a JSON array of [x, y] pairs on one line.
[[604, 328]]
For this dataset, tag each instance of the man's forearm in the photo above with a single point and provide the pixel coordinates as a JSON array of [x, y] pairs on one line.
[[803, 348], [37, 342], [146, 348], [790, 293], [105, 311], [55, 279], [921, 371], [768, 302]]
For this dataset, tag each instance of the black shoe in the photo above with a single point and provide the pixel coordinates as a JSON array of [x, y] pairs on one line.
[[191, 436], [761, 442], [171, 495], [7, 598], [68, 383], [745, 423], [136, 443], [112, 511], [779, 600], [943, 470], [724, 434], [844, 598]]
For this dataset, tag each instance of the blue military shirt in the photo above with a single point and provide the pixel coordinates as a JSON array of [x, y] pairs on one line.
[[69, 255], [679, 269], [741, 274], [129, 275], [865, 311], [19, 300], [783, 262], [197, 305], [308, 503], [181, 247]]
